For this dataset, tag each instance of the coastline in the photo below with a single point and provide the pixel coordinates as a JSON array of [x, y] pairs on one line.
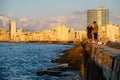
[[69, 60], [68, 63], [44, 42], [71, 56]]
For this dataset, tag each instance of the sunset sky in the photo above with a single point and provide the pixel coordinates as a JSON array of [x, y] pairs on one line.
[[43, 14]]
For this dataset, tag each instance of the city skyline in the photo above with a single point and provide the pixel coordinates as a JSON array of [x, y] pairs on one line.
[[43, 14]]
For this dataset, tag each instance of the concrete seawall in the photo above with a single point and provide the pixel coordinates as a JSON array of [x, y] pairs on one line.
[[100, 62]]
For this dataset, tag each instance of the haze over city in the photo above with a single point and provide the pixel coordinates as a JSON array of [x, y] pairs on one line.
[[37, 15]]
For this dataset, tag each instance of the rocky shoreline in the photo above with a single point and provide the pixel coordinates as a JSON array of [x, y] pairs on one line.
[[44, 42], [68, 63]]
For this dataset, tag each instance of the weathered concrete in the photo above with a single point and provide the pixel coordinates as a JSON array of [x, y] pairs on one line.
[[101, 62]]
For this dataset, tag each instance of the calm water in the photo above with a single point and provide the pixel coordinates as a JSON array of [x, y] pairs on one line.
[[21, 61]]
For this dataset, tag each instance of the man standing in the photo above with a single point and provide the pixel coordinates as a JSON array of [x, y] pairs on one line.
[[95, 30]]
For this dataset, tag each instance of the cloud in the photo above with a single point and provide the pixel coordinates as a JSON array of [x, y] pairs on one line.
[[28, 24], [9, 15], [115, 18], [72, 21], [4, 21], [76, 20], [3, 18], [118, 16], [23, 19]]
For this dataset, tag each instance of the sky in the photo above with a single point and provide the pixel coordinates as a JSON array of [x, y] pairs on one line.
[[44, 14]]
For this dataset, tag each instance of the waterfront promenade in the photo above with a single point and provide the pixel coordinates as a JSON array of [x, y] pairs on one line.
[[101, 62]]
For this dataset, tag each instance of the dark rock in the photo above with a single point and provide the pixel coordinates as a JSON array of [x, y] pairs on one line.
[[72, 56], [73, 59], [51, 73], [70, 68]]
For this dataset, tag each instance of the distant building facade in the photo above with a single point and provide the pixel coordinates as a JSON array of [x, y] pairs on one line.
[[100, 15], [59, 33], [3, 34], [22, 35], [110, 32], [12, 29]]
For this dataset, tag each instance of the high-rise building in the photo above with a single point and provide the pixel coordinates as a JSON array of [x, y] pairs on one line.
[[100, 15], [91, 16], [12, 28]]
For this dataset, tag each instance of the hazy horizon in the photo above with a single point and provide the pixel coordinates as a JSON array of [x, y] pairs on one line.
[[37, 15]]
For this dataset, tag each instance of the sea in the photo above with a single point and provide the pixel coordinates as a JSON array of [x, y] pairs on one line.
[[21, 61]]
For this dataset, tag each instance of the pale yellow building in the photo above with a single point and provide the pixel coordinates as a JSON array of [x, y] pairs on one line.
[[36, 36], [12, 29], [110, 32], [83, 35], [3, 34], [22, 35], [49, 35], [71, 35], [46, 35], [80, 35], [61, 33], [102, 16]]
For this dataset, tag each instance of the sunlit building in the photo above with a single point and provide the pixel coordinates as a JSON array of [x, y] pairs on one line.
[[110, 32], [22, 35], [46, 35], [80, 35], [2, 31], [3, 34], [91, 16], [36, 36], [100, 15], [61, 33], [12, 28], [83, 35], [71, 35]]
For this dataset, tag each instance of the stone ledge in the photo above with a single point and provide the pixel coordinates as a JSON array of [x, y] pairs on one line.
[[108, 59]]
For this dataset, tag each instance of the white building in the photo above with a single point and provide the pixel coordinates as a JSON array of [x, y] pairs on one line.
[[12, 28], [61, 33], [110, 32], [22, 35], [100, 15], [3, 34]]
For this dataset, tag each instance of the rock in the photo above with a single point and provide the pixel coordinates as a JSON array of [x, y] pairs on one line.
[[51, 73], [63, 65], [70, 68]]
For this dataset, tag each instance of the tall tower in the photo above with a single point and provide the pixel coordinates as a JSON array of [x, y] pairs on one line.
[[12, 28], [100, 15], [91, 16]]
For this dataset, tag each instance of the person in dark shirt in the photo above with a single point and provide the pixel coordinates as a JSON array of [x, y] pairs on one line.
[[89, 30]]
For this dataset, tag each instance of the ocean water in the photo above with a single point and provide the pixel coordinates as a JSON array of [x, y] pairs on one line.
[[21, 61]]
